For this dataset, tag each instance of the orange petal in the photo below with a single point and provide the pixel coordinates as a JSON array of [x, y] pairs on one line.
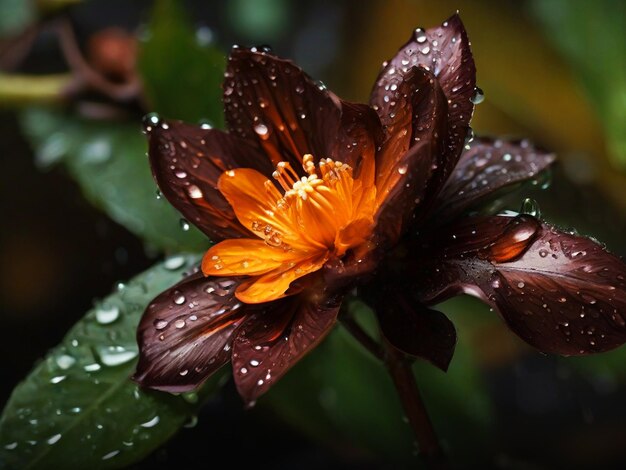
[[244, 256], [273, 285]]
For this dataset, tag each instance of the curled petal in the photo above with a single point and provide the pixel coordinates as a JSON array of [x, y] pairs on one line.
[[407, 159], [187, 162], [561, 293], [186, 332], [272, 341], [273, 103], [445, 52], [417, 330], [486, 168]]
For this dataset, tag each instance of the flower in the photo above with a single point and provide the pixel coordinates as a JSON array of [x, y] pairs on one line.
[[308, 196]]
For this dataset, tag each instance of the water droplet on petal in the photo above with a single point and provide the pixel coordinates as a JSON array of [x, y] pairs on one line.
[[478, 96], [530, 207], [150, 121], [262, 131]]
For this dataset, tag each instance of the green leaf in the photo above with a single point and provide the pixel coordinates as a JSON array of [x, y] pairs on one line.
[[344, 395], [591, 36], [108, 160], [78, 408], [181, 75]]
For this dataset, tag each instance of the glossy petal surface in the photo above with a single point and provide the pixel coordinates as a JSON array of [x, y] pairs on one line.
[[412, 151], [486, 168], [561, 293], [186, 333], [273, 103], [271, 342], [187, 162], [445, 51]]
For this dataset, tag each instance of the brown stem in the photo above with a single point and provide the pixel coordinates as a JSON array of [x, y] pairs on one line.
[[362, 337], [404, 380]]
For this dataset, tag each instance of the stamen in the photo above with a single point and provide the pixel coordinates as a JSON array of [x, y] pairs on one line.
[[308, 165], [285, 175], [311, 186]]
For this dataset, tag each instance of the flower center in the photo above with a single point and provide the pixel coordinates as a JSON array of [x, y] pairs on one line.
[[311, 186]]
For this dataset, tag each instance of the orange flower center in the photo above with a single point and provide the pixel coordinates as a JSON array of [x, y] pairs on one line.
[[318, 216]]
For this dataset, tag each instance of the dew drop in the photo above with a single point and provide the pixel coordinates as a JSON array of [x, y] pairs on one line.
[[57, 379], [478, 96], [179, 324], [65, 361], [150, 121], [54, 439], [420, 35], [92, 367], [151, 423], [262, 131], [194, 192], [403, 169], [11, 446], [105, 315], [160, 324], [184, 225], [110, 455], [254, 363], [530, 207], [179, 300], [174, 262], [116, 355]]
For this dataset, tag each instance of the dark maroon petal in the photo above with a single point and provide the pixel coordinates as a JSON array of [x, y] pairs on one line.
[[445, 51], [417, 330], [185, 334], [561, 293], [187, 161], [487, 167], [273, 103], [403, 173], [272, 341]]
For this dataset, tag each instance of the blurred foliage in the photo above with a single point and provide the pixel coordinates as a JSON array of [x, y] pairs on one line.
[[592, 36], [182, 76], [108, 160], [260, 20], [15, 15], [78, 408]]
